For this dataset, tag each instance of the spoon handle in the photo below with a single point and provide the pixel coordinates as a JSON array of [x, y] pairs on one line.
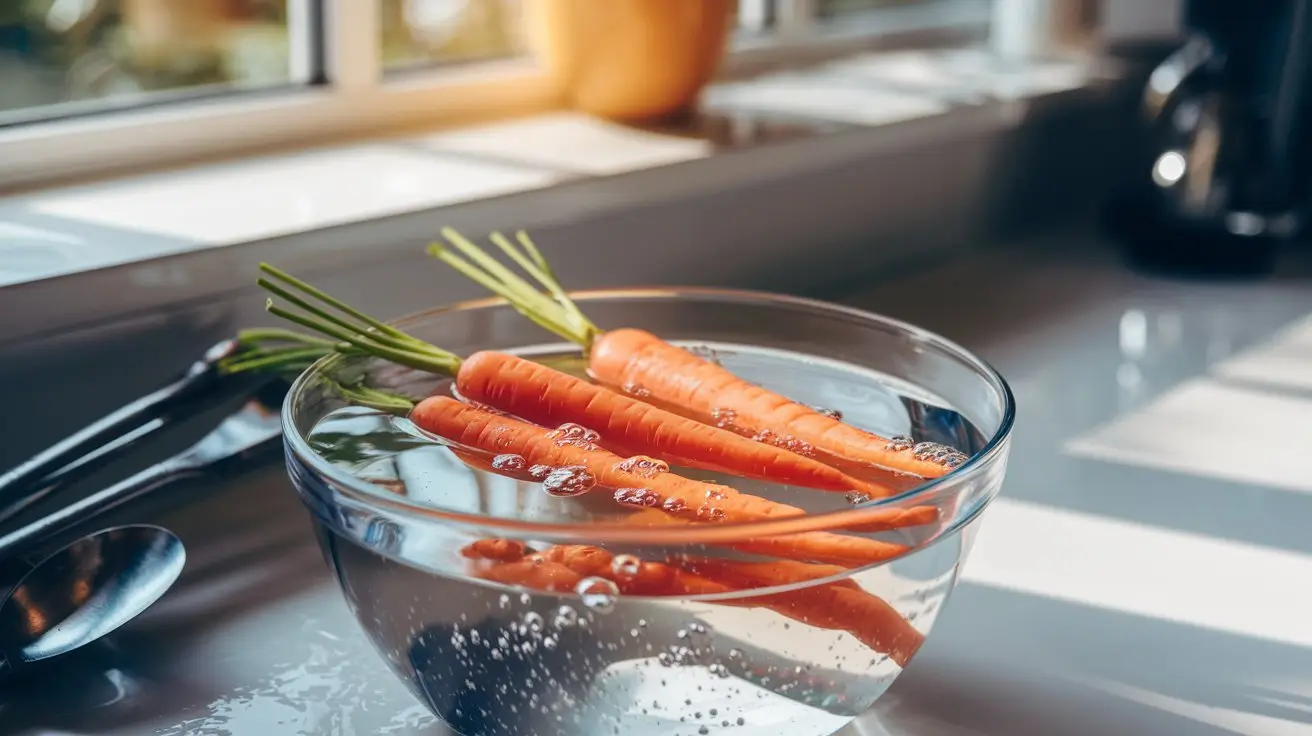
[[22, 540], [110, 436]]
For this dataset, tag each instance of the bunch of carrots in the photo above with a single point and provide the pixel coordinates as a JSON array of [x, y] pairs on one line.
[[653, 405]]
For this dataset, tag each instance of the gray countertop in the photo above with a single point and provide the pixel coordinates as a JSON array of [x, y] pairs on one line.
[[1111, 590]]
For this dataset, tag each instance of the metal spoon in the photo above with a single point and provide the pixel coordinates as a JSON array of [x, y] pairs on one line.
[[85, 591]]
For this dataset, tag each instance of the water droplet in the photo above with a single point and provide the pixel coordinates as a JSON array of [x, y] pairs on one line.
[[831, 413], [540, 471], [570, 480], [899, 443], [625, 566], [637, 497], [509, 463], [714, 494], [576, 435], [710, 513], [566, 617], [857, 497], [643, 466], [597, 594], [636, 389], [674, 505], [941, 454], [533, 621], [725, 418]]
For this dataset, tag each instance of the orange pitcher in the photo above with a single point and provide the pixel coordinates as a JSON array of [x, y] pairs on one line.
[[630, 60]]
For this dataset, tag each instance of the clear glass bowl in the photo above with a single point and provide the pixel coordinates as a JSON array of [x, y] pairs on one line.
[[498, 660]]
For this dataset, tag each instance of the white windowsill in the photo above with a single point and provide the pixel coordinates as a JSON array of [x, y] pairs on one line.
[[580, 166]]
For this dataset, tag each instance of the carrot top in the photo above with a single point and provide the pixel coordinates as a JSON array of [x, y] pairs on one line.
[[551, 309]]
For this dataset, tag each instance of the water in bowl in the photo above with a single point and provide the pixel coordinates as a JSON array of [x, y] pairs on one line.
[[491, 659]]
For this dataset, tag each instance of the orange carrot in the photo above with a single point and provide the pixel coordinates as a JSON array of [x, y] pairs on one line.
[[543, 395], [491, 433], [674, 378], [786, 547], [832, 606]]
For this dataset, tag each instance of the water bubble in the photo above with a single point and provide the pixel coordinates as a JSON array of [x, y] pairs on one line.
[[674, 505], [504, 602], [636, 389], [857, 497], [570, 480], [576, 435], [899, 443], [724, 418], [625, 566], [720, 671], [943, 455], [637, 497], [831, 413], [533, 621], [643, 466], [786, 442], [475, 638], [742, 721], [540, 471], [710, 513], [549, 643], [597, 594], [509, 463], [735, 653], [714, 494], [566, 617], [525, 598]]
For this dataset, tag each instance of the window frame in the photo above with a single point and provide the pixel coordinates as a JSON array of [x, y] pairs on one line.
[[343, 93]]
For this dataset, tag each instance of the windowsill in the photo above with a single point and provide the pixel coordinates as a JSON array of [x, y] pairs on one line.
[[109, 237]]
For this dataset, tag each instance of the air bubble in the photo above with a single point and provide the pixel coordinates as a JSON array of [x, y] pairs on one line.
[[643, 466], [706, 353], [509, 463], [637, 497], [566, 618], [725, 418], [899, 443], [713, 494], [674, 505], [534, 622], [857, 497], [504, 601], [540, 471], [571, 480], [941, 454], [719, 671], [597, 594], [575, 435], [710, 513], [831, 413], [636, 389], [625, 566]]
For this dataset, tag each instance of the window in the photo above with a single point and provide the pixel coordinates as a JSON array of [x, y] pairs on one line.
[[90, 87], [419, 33], [61, 57]]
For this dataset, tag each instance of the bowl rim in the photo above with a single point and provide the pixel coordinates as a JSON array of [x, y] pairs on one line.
[[598, 531]]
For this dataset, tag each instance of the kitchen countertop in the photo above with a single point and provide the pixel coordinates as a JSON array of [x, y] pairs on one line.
[[1134, 578]]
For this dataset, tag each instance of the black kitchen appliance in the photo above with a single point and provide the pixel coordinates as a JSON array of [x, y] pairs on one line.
[[1221, 177]]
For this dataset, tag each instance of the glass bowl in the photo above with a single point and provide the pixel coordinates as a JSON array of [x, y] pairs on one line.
[[773, 655]]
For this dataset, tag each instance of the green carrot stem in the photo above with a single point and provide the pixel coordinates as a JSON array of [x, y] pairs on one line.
[[277, 334], [401, 343], [324, 297], [257, 359], [559, 315], [446, 365]]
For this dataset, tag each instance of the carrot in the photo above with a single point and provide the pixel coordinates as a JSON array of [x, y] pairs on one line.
[[543, 395], [833, 606], [674, 378], [475, 428], [784, 546]]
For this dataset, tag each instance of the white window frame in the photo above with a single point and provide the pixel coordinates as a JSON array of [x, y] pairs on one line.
[[357, 99]]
